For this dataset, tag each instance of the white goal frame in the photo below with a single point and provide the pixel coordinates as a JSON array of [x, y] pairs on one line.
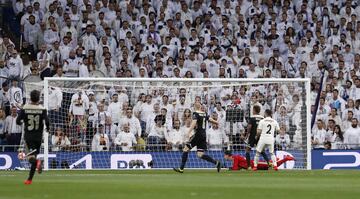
[[307, 82]]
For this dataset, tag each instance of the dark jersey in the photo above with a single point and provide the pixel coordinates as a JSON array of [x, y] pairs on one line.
[[33, 117], [201, 119], [254, 121]]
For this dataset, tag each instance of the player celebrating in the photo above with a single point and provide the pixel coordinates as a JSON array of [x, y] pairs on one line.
[[33, 115], [239, 162], [198, 139], [252, 130], [266, 130]]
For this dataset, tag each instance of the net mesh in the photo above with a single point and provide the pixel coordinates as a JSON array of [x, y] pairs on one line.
[[142, 124]]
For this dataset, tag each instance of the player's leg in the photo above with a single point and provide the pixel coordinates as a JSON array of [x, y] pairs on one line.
[[272, 153], [31, 156], [185, 154], [265, 157], [32, 161], [251, 144], [262, 153], [247, 156], [285, 159], [259, 149], [34, 149], [201, 148], [262, 165]]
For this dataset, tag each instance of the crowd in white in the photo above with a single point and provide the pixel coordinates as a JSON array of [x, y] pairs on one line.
[[197, 38]]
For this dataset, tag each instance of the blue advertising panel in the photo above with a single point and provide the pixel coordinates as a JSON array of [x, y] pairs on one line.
[[131, 160], [335, 159]]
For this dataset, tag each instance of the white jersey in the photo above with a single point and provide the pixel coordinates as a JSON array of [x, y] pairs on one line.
[[268, 126]]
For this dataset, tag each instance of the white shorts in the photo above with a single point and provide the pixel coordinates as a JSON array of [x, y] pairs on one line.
[[265, 143]]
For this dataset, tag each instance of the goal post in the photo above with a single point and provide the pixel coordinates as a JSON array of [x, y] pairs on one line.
[[275, 94]]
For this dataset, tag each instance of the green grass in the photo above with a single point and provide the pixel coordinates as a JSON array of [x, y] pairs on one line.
[[165, 184]]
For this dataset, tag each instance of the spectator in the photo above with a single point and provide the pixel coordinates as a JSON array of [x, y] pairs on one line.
[[216, 138], [282, 140], [114, 108], [2, 127], [15, 65], [176, 137], [125, 140], [54, 107], [78, 107], [338, 138], [100, 142], [11, 129], [352, 135], [16, 96], [157, 133], [59, 140], [319, 136]]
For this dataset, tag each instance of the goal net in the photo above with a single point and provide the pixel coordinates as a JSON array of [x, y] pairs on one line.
[[142, 123]]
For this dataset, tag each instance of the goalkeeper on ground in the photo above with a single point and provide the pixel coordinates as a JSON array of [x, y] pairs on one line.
[[239, 162]]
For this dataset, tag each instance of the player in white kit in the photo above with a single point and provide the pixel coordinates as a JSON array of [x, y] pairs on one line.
[[266, 130]]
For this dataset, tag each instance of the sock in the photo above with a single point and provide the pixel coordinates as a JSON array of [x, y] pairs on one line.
[[32, 168], [208, 158], [273, 158], [256, 159], [184, 159], [280, 162], [265, 157], [247, 155]]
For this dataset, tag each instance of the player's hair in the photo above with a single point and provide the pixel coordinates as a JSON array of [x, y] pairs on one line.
[[268, 112], [227, 152], [256, 108], [35, 96]]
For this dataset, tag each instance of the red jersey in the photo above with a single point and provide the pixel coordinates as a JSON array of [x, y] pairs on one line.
[[239, 162]]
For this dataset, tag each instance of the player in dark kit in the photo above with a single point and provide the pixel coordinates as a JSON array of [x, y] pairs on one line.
[[33, 115], [251, 131], [198, 124]]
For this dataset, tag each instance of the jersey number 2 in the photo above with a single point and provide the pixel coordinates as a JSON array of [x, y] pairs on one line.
[[269, 130], [33, 122]]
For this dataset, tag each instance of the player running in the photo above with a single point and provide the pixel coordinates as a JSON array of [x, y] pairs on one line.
[[198, 124], [266, 130], [251, 131], [239, 162], [33, 115]]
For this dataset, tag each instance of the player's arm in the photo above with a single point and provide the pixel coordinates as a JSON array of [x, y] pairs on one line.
[[259, 129], [249, 127], [20, 117], [211, 120], [192, 126]]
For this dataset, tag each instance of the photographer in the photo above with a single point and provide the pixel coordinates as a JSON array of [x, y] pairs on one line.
[[100, 141], [59, 140]]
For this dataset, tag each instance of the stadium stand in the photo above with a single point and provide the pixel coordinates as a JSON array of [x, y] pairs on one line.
[[187, 39]]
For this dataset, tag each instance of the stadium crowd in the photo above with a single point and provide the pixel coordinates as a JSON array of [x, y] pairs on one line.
[[186, 39]]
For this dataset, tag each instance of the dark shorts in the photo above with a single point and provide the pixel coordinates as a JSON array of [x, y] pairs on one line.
[[32, 145], [252, 141], [199, 141]]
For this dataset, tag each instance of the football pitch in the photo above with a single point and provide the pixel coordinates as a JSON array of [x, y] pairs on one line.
[[197, 184]]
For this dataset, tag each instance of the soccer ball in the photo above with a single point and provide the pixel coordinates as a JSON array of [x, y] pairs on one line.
[[21, 156]]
